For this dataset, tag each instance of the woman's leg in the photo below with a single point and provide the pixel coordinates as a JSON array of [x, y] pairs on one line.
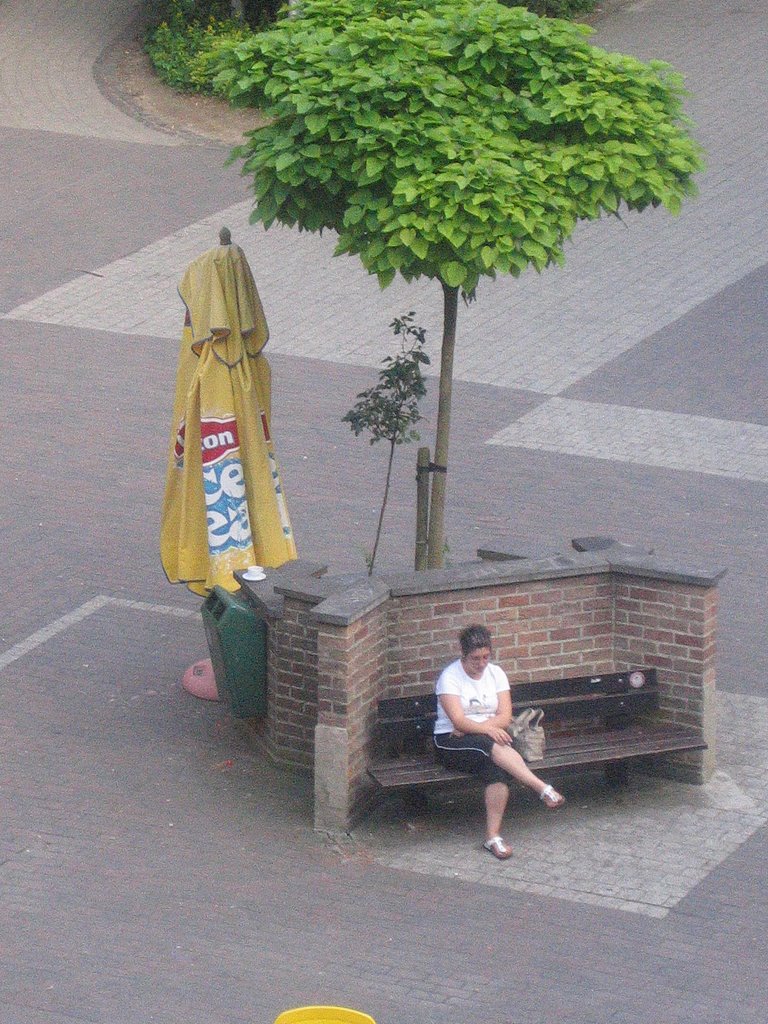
[[496, 796], [507, 757]]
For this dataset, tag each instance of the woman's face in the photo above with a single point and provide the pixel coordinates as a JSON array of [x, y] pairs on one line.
[[476, 662]]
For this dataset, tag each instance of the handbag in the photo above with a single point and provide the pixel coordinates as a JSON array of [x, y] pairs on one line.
[[527, 734]]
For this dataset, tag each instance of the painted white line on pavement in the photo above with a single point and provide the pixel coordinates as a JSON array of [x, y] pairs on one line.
[[159, 609], [41, 636], [647, 437]]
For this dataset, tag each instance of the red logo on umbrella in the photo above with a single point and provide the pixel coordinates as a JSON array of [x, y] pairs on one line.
[[178, 448], [218, 438]]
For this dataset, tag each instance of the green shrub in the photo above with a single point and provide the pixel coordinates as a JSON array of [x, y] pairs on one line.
[[180, 48], [260, 12], [186, 35], [256, 13], [202, 69], [172, 50], [555, 8]]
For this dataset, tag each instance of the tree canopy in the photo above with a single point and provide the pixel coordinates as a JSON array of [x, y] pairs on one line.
[[452, 138]]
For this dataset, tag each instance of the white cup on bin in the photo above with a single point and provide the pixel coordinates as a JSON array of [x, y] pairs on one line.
[[254, 573]]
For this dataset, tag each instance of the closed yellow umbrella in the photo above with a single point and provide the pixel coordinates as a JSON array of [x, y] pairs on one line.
[[224, 506]]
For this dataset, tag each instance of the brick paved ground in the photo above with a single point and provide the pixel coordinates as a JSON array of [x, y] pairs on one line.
[[145, 878]]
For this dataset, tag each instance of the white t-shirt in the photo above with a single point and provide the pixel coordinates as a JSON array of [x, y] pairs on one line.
[[479, 697]]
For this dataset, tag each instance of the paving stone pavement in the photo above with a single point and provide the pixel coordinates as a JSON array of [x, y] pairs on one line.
[[154, 866], [46, 76], [646, 436], [640, 849], [540, 334]]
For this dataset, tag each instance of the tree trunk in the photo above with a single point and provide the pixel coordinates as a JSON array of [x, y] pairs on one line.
[[422, 509], [437, 503], [383, 508]]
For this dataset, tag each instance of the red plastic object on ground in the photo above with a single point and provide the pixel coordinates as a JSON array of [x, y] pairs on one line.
[[200, 681]]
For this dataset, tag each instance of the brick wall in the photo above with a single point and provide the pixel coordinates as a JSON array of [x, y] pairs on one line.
[[540, 629], [352, 668], [336, 648], [671, 626], [292, 684]]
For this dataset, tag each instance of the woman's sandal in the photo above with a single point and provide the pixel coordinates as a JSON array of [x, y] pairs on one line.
[[552, 799], [498, 848]]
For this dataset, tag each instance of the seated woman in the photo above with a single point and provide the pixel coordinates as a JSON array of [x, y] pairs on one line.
[[474, 710]]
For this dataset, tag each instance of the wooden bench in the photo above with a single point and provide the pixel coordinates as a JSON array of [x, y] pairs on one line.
[[600, 721]]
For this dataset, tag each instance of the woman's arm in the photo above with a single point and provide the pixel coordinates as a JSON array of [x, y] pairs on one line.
[[494, 727], [503, 716]]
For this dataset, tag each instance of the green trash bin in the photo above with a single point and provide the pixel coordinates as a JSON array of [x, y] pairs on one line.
[[237, 641]]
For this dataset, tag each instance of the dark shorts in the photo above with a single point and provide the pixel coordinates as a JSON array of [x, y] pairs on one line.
[[470, 753]]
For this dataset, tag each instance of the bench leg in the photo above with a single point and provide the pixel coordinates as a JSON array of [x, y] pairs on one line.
[[617, 774], [416, 799]]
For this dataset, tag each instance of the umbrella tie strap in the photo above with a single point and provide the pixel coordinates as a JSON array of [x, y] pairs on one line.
[[202, 363], [246, 377]]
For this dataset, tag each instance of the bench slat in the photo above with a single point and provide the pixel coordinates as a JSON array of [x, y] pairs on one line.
[[401, 773], [608, 684], [562, 752], [642, 733], [622, 746], [620, 701]]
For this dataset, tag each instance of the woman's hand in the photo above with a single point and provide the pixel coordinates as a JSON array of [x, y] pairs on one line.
[[494, 727], [497, 734], [497, 726]]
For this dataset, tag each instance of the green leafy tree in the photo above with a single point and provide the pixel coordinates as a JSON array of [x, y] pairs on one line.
[[453, 140], [390, 409]]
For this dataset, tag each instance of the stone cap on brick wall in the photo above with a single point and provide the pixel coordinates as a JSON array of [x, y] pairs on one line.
[[265, 595], [639, 561], [471, 575], [345, 606], [654, 568], [342, 599]]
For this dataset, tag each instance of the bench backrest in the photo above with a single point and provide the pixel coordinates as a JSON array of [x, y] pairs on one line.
[[609, 695], [610, 698]]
